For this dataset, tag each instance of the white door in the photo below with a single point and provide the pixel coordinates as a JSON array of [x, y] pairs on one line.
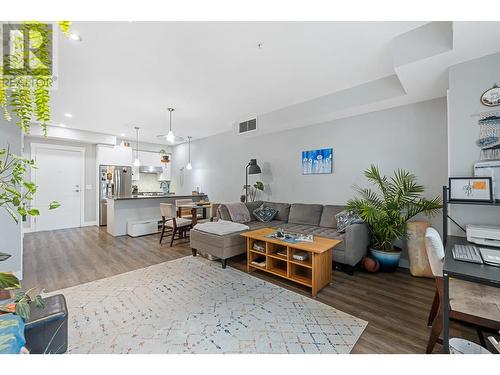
[[58, 177]]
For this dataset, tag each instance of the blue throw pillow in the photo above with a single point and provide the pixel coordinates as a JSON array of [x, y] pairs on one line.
[[265, 214], [346, 218]]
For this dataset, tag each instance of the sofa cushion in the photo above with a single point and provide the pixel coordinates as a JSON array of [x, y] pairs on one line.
[[282, 208], [252, 206], [259, 225], [328, 219], [299, 228], [308, 214], [264, 214], [328, 233]]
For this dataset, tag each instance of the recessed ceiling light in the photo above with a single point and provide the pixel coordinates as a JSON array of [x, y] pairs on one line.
[[62, 125], [122, 135], [68, 115], [75, 36]]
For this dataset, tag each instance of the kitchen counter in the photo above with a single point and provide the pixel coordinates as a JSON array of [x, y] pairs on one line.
[[138, 207], [176, 196]]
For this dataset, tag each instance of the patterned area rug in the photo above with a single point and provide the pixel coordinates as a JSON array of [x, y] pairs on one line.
[[192, 305]]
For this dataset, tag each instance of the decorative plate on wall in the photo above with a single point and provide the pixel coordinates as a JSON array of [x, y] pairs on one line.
[[491, 97]]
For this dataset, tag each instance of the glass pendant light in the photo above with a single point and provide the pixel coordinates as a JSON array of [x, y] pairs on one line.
[[189, 166], [170, 134], [137, 162]]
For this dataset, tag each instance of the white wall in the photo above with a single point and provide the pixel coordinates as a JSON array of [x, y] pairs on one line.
[[10, 232], [467, 81], [412, 137]]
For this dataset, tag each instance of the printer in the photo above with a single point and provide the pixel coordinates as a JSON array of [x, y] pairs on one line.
[[486, 235]]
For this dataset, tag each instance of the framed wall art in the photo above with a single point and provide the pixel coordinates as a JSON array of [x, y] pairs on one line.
[[473, 189], [317, 161]]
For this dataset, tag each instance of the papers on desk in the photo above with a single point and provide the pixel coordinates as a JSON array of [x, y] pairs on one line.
[[490, 257]]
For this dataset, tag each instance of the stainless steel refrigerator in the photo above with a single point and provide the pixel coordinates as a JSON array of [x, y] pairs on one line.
[[114, 181]]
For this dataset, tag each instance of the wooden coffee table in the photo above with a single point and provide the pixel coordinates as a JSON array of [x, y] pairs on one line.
[[314, 272]]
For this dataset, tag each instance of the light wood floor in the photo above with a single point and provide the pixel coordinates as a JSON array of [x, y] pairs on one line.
[[395, 305]]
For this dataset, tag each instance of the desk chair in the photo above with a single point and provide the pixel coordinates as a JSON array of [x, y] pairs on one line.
[[177, 225], [469, 302]]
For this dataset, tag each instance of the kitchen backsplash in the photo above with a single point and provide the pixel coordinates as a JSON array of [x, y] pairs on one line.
[[148, 182]]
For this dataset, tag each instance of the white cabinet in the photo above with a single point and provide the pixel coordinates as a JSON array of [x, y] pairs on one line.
[[167, 172], [113, 155], [150, 158], [135, 174]]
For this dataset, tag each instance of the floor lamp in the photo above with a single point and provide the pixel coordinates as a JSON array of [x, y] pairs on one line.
[[252, 168]]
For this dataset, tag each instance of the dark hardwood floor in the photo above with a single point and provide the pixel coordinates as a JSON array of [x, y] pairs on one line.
[[395, 305]]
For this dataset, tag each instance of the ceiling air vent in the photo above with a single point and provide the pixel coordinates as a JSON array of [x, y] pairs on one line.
[[247, 126]]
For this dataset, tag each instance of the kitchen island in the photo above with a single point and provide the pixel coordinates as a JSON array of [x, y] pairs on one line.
[[139, 207]]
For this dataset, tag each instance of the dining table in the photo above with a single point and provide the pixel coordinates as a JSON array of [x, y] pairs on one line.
[[194, 207]]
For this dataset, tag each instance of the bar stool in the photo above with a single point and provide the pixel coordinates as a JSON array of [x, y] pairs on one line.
[[177, 225]]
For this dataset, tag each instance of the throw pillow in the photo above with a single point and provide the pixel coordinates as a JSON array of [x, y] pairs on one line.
[[265, 214], [223, 213], [346, 218], [239, 212]]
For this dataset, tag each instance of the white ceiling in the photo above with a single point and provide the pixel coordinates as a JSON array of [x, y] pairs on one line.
[[126, 74]]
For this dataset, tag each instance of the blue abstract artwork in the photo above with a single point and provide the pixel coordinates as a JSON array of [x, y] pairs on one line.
[[317, 161]]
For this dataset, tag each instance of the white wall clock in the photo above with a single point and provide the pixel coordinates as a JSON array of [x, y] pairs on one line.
[[491, 97]]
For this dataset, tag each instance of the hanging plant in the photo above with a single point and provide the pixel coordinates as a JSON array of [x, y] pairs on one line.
[[165, 158], [27, 96]]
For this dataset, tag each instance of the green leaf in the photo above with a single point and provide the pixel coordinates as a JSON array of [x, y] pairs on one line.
[[9, 281], [23, 309], [4, 256], [22, 211], [30, 186], [33, 212], [39, 301], [53, 205]]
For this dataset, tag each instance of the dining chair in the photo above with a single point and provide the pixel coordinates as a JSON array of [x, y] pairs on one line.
[[177, 225], [469, 302], [186, 212]]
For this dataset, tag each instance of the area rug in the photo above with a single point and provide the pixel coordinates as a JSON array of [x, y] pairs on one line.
[[192, 305]]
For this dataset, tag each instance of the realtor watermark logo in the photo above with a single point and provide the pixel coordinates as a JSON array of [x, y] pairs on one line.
[[28, 51]]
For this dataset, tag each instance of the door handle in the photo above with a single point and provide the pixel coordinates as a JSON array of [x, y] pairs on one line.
[[77, 191]]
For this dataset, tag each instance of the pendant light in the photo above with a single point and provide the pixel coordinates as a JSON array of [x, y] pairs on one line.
[[189, 166], [137, 162], [170, 135]]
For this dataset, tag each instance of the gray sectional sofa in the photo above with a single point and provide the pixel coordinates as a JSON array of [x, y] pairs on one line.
[[313, 219]]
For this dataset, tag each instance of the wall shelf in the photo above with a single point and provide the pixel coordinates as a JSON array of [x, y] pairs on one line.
[[446, 216]]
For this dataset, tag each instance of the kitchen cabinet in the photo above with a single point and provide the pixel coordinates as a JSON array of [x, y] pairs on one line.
[[167, 172], [135, 174], [114, 155], [148, 158]]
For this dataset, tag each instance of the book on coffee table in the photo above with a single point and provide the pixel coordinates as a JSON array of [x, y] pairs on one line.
[[260, 262]]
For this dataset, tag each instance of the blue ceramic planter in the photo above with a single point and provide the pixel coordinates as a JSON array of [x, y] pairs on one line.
[[388, 260]]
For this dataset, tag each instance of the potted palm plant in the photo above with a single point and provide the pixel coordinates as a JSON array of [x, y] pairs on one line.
[[387, 211]]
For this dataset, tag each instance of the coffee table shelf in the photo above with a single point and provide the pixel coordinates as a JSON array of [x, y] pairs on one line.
[[315, 272], [276, 256], [301, 263]]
